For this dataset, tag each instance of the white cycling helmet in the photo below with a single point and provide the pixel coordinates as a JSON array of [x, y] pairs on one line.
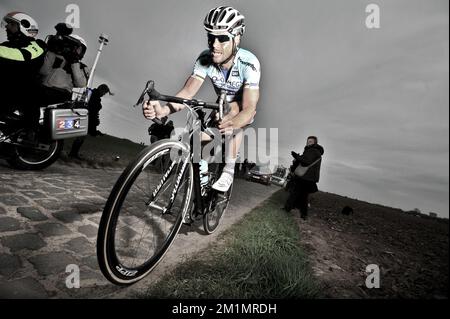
[[224, 19], [28, 26]]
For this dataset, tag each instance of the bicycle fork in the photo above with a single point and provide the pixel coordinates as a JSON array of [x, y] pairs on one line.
[[164, 178]]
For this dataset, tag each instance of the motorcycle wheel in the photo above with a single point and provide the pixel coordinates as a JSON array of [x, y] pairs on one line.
[[38, 157]]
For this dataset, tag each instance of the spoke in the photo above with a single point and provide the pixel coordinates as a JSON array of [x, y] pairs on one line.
[[139, 243], [141, 188]]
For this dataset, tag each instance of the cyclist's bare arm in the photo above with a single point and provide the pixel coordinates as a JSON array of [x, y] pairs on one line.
[[154, 108], [249, 101]]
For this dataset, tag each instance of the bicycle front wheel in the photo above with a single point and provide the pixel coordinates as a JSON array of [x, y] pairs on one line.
[[144, 212]]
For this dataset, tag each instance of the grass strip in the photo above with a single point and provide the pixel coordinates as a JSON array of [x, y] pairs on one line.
[[259, 257]]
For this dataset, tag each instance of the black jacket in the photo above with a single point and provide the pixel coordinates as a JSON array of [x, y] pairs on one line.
[[19, 64], [310, 154], [94, 107], [160, 131]]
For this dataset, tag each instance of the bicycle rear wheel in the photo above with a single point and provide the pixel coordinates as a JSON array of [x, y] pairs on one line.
[[144, 212], [218, 202]]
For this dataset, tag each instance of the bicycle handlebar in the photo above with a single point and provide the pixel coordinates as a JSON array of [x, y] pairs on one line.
[[153, 95]]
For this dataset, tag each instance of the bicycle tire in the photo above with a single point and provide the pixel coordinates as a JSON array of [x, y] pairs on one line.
[[114, 218], [212, 218]]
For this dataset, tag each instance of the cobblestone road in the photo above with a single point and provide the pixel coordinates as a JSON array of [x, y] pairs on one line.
[[49, 220]]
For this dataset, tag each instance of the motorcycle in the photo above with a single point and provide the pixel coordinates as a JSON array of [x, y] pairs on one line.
[[57, 123]]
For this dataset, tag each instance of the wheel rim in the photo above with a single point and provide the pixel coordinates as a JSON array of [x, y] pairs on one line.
[[33, 156]]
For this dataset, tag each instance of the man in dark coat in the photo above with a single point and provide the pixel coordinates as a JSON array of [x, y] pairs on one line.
[[160, 131], [94, 107], [300, 187]]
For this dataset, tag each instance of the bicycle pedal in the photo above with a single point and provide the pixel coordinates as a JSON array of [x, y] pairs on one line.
[[188, 223]]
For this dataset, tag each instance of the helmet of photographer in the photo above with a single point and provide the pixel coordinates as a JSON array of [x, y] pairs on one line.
[[82, 45], [27, 25]]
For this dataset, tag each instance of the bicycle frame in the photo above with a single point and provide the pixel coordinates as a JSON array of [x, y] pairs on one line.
[[194, 124], [164, 178]]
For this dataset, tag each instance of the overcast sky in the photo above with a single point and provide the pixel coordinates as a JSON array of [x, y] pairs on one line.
[[376, 98]]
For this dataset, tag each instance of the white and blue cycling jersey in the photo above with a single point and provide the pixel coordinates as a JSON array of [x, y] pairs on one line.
[[245, 73]]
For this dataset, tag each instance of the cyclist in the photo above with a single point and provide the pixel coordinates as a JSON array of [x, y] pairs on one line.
[[229, 67], [62, 69]]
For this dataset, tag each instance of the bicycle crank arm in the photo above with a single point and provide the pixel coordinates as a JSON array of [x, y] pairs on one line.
[[221, 201]]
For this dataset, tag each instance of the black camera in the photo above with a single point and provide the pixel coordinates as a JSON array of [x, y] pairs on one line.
[[63, 44]]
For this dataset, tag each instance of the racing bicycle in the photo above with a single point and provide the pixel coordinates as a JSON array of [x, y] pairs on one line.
[[149, 202]]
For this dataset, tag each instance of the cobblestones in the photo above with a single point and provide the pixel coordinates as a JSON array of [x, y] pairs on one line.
[[53, 190], [13, 200], [68, 216], [81, 246], [26, 288], [9, 224], [88, 230], [9, 264], [91, 262], [6, 190], [52, 229], [32, 213], [23, 241], [49, 220], [49, 204], [52, 263], [33, 194]]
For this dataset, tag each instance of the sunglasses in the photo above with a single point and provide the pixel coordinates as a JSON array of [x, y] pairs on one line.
[[221, 38]]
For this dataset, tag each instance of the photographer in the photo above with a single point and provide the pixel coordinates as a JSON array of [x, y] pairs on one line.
[[300, 187], [62, 69]]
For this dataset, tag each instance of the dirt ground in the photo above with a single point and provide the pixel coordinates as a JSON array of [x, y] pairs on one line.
[[411, 250]]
